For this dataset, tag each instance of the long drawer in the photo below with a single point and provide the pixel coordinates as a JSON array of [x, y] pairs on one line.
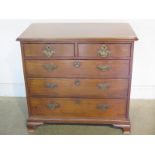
[[78, 108], [61, 87], [77, 68]]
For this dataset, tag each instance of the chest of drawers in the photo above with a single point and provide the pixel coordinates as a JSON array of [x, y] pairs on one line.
[[78, 73]]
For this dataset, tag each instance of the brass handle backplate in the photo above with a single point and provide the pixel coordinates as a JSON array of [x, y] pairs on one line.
[[53, 105], [102, 107], [103, 52], [103, 68], [51, 85], [103, 86], [49, 67], [48, 51], [76, 64]]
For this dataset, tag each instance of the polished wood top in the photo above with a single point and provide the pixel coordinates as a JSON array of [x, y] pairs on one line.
[[77, 31]]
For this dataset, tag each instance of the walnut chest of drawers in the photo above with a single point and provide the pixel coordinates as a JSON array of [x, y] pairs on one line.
[[78, 73]]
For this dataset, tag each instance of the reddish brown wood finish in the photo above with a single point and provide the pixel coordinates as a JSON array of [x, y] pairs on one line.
[[116, 50], [84, 68], [51, 32], [36, 50], [76, 91], [86, 88], [78, 108]]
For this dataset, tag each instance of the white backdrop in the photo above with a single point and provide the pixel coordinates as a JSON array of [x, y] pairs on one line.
[[11, 74]]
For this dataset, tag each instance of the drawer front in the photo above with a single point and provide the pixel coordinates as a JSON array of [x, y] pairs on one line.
[[104, 50], [78, 108], [48, 50], [77, 68], [61, 87]]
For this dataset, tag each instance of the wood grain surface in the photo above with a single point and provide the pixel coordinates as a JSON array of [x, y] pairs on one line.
[[71, 31], [37, 50], [69, 81], [78, 107], [115, 88], [78, 68], [116, 50]]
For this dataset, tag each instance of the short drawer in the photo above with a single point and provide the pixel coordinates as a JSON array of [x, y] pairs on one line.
[[104, 51], [78, 108], [77, 68], [61, 87], [48, 50]]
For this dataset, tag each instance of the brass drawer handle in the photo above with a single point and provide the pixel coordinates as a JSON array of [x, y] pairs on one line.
[[103, 68], [77, 64], [51, 85], [103, 86], [49, 67], [102, 107], [103, 52], [53, 106], [77, 82], [48, 51]]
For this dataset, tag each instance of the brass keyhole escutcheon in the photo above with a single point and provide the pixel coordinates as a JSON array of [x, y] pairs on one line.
[[77, 64], [77, 101], [77, 82]]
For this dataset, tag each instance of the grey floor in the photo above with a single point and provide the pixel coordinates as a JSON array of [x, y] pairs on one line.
[[13, 115]]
